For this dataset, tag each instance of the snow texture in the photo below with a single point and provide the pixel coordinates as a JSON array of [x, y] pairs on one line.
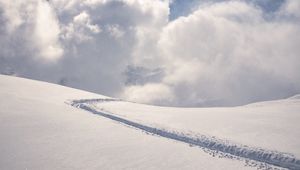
[[38, 130], [276, 158]]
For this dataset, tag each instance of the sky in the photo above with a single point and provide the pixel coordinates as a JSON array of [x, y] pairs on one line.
[[161, 52]]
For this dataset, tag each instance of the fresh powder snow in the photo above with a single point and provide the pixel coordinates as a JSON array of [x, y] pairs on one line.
[[47, 126]]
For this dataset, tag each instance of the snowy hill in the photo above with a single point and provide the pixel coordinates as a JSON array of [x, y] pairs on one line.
[[47, 126]]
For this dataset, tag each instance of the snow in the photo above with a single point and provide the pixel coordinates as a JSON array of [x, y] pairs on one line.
[[190, 136], [39, 129], [271, 125]]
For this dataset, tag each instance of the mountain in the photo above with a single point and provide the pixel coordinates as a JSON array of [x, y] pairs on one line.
[[48, 126]]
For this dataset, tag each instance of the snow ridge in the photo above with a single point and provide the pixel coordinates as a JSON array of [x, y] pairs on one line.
[[276, 158]]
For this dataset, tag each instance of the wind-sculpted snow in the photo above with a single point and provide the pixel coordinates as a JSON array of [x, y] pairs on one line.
[[280, 159]]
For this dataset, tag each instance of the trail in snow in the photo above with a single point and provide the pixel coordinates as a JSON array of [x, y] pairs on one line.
[[276, 158]]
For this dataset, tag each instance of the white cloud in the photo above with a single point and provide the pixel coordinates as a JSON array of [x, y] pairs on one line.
[[46, 32], [14, 13], [228, 53], [115, 31], [83, 19], [149, 93], [28, 22], [291, 8], [221, 54], [80, 28]]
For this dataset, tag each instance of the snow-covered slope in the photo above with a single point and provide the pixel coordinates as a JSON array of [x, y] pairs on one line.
[[39, 129], [273, 125], [267, 131]]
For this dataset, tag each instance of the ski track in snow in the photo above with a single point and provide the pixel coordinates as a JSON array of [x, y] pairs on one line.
[[216, 147]]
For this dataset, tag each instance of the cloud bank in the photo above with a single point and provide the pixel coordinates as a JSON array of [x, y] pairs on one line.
[[221, 53]]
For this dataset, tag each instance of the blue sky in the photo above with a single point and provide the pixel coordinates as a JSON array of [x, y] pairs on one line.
[[185, 7]]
